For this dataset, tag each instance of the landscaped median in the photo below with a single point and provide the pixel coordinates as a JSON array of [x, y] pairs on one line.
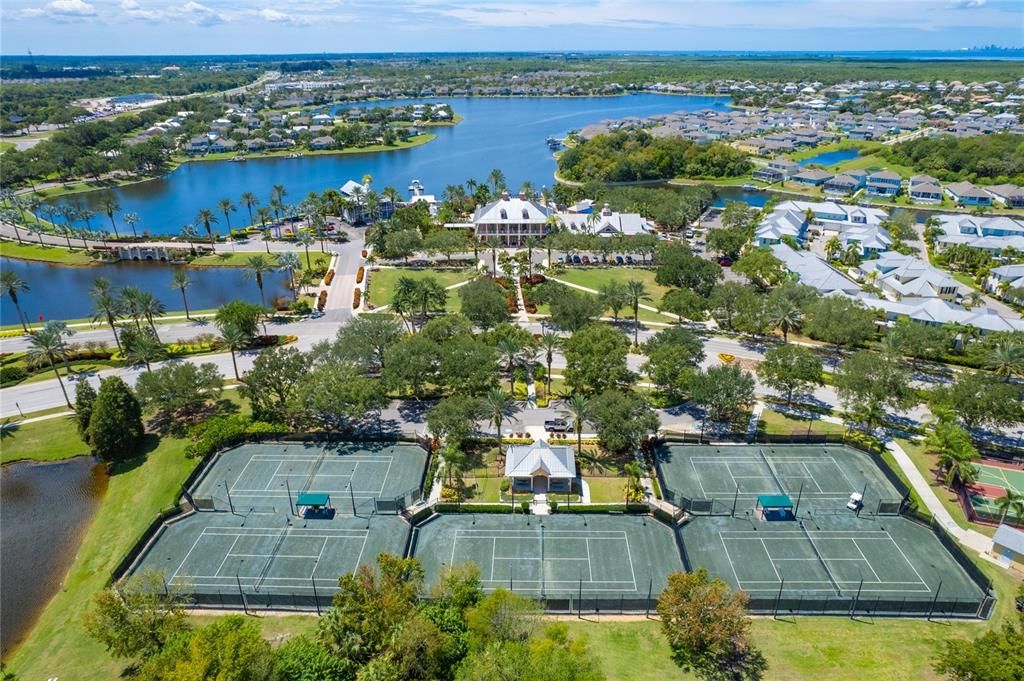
[[40, 253]]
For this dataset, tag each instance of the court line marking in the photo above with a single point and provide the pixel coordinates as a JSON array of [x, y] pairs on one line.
[[811, 477], [861, 552], [227, 555], [771, 560], [728, 557]]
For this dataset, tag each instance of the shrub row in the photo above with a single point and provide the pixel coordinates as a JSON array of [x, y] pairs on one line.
[[212, 434], [329, 278], [360, 273], [472, 508], [357, 297], [604, 508], [321, 301], [12, 374]]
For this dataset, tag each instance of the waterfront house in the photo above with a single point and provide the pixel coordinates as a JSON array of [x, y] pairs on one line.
[[813, 177], [844, 184], [511, 219], [924, 189], [1009, 195], [884, 183], [220, 145], [254, 144], [197, 145], [778, 169], [358, 209], [967, 194], [321, 143]]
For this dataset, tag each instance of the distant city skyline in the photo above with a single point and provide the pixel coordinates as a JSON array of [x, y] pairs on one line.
[[126, 27]]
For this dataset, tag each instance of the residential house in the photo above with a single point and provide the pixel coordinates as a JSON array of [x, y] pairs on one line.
[[220, 145], [781, 223], [991, 234], [868, 239], [968, 194], [511, 219], [903, 276], [1009, 195], [937, 312], [812, 271], [843, 184], [359, 209], [606, 223], [255, 144], [1003, 278], [813, 177], [197, 145], [778, 169], [884, 183], [924, 189], [321, 143]]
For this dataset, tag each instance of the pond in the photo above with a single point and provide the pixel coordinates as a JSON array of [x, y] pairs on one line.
[[59, 292], [504, 133], [47, 507], [830, 158]]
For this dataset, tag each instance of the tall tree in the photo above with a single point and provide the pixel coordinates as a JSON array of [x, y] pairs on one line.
[[226, 207], [790, 369], [499, 406], [206, 218], [635, 293], [49, 344], [111, 207], [11, 285], [116, 424], [249, 200], [255, 268], [550, 342], [180, 281], [578, 407]]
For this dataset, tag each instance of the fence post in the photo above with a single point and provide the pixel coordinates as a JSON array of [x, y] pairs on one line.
[[856, 598], [934, 600], [316, 596], [241, 593], [650, 590], [778, 598]]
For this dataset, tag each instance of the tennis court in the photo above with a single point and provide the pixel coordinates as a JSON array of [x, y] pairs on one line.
[[887, 559], [1005, 476], [207, 554], [595, 555], [268, 477], [816, 476]]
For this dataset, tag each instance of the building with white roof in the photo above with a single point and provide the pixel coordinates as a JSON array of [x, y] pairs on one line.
[[812, 271], [869, 239], [541, 466], [901, 276], [936, 312], [606, 223], [511, 220], [1008, 547], [990, 234], [1004, 278]]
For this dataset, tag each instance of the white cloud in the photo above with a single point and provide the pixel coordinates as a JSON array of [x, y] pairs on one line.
[[201, 15], [967, 4], [71, 8]]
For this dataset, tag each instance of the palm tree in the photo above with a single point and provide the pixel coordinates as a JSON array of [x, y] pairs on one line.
[[633, 474], [85, 216], [549, 343], [494, 244], [189, 234], [277, 193], [235, 338], [579, 408], [306, 240], [510, 350], [635, 292], [289, 262], [832, 248], [530, 242], [144, 350], [226, 206], [49, 344], [11, 285], [110, 206], [496, 179], [785, 316], [106, 308], [255, 267], [249, 200], [1006, 359], [131, 219], [499, 405], [205, 217], [180, 281], [1011, 502], [150, 307], [131, 301]]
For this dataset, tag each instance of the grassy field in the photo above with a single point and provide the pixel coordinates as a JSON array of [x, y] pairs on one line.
[[775, 423], [240, 258], [926, 463], [414, 141], [597, 277], [804, 648], [49, 440], [27, 251], [382, 283]]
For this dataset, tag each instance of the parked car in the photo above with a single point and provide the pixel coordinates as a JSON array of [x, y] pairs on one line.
[[689, 234], [586, 260], [561, 259], [629, 260], [576, 260], [619, 260], [557, 426], [725, 262]]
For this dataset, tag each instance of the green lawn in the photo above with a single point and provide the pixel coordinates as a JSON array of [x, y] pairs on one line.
[[241, 258], [49, 440], [597, 277], [27, 251], [775, 423], [414, 141], [6, 146], [802, 648], [382, 283], [606, 490]]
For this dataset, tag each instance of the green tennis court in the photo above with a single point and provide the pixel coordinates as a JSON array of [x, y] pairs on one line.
[[830, 556], [818, 477], [1011, 479], [268, 477], [564, 554]]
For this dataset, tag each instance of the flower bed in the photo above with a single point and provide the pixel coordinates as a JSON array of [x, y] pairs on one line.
[[357, 297], [329, 278]]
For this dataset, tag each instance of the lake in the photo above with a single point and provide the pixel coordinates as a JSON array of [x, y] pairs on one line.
[[47, 507], [830, 158], [504, 133], [59, 292]]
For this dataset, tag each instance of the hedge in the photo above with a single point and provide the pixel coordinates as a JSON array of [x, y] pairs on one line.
[[472, 508], [603, 508]]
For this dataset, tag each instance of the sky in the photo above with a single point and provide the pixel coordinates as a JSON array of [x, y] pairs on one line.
[[314, 26]]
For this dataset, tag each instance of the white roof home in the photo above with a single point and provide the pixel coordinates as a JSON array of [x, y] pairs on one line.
[[779, 224], [606, 223], [1010, 276], [813, 271], [831, 211], [869, 238], [936, 311], [903, 276], [540, 460]]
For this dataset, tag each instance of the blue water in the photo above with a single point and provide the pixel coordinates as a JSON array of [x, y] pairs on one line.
[[830, 158], [505, 133], [59, 292]]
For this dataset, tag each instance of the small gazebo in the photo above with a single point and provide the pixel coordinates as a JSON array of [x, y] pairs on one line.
[[540, 467]]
